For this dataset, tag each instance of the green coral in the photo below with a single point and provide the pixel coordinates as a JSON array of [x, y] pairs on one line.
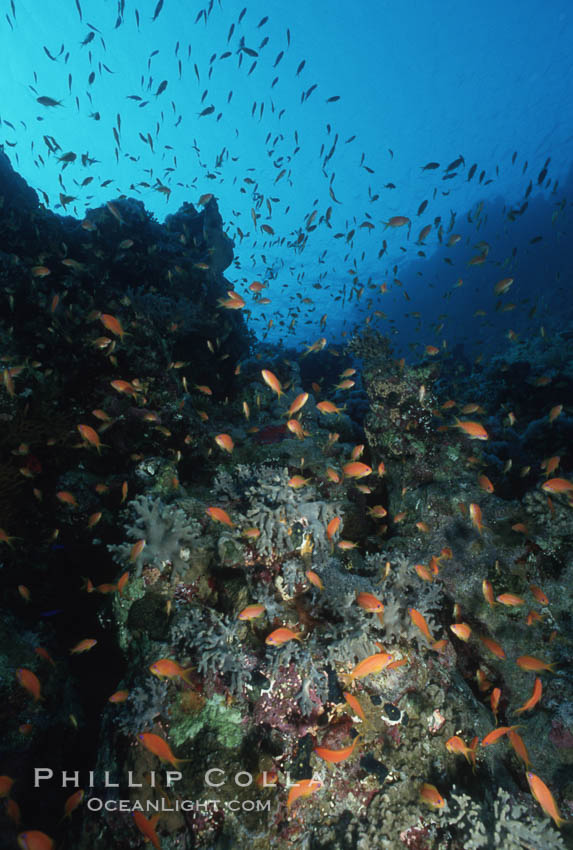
[[223, 721]]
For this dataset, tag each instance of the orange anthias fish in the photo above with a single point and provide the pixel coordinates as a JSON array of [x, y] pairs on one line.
[[160, 748], [83, 646], [457, 745], [493, 647], [6, 783], [430, 795], [544, 797], [519, 747], [536, 665], [510, 599], [369, 602], [90, 435], [272, 381], [118, 696], [474, 430], [73, 801], [335, 756], [33, 839], [461, 630], [421, 623], [533, 699], [539, 595], [354, 704], [314, 579], [30, 681], [476, 517], [147, 828], [496, 734], [303, 788], [356, 469], [485, 483], [251, 612], [297, 404], [372, 664], [328, 407], [281, 635], [487, 590], [112, 324], [333, 527], [557, 485], [165, 668], [219, 515], [225, 442]]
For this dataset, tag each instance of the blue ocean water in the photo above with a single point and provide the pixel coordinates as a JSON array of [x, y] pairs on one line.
[[319, 120]]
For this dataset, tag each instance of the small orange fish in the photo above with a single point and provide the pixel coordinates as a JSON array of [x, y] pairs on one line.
[[118, 696], [533, 699], [539, 595], [333, 527], [251, 612], [476, 517], [67, 498], [346, 545], [377, 512], [487, 590], [494, 699], [356, 469], [493, 647], [485, 483], [457, 745], [29, 681], [272, 381], [73, 801], [303, 788], [160, 748], [147, 828], [496, 734], [354, 704], [297, 481], [315, 579], [474, 430], [430, 795], [83, 646], [6, 783], [461, 630], [510, 599], [219, 515], [370, 665], [33, 839], [90, 435], [137, 549], [328, 407], [333, 475], [297, 404], [94, 519], [282, 635], [336, 756], [544, 797], [225, 442], [557, 485], [535, 665], [112, 324], [369, 602], [423, 572], [124, 387], [519, 747], [555, 412], [421, 623], [296, 428], [165, 668]]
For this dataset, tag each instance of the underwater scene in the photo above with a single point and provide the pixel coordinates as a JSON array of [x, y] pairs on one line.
[[286, 425]]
